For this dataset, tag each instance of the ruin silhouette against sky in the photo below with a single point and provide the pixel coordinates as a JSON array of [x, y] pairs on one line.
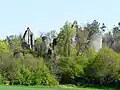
[[46, 15]]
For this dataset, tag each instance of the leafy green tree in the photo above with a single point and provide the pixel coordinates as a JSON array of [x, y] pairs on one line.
[[3, 46], [9, 68], [38, 42], [26, 76], [42, 76], [104, 66], [26, 71], [64, 39], [30, 61], [72, 68], [14, 42], [92, 28], [84, 34]]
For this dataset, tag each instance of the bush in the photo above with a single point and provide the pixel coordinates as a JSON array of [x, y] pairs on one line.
[[10, 68], [53, 65], [1, 79], [30, 61], [27, 71], [26, 76], [72, 67], [42, 75], [104, 67], [35, 72], [3, 46]]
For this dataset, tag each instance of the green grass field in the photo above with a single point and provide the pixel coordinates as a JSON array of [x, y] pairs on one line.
[[35, 88]]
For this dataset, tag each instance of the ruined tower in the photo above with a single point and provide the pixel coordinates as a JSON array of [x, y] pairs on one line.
[[28, 38]]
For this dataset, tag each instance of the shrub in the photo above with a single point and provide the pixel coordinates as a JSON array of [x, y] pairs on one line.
[[30, 61], [3, 46], [42, 75], [9, 68], [27, 71], [72, 67], [26, 76], [1, 78], [104, 67], [53, 65]]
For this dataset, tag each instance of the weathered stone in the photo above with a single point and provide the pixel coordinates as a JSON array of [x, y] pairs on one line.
[[28, 38]]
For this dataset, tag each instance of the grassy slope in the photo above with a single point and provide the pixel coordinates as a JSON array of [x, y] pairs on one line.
[[31, 88]]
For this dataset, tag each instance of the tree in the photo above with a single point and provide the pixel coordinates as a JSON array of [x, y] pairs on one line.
[[51, 35], [44, 46], [64, 39], [14, 42], [116, 38], [38, 42], [116, 32], [84, 35], [92, 28], [50, 38], [3, 46], [72, 68], [108, 39], [104, 67]]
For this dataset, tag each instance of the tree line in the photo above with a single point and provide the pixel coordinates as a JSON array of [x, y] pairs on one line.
[[64, 60]]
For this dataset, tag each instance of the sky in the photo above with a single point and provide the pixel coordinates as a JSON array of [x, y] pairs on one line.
[[47, 15]]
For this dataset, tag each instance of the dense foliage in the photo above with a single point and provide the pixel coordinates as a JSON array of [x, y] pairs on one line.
[[71, 60], [27, 71], [3, 46]]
